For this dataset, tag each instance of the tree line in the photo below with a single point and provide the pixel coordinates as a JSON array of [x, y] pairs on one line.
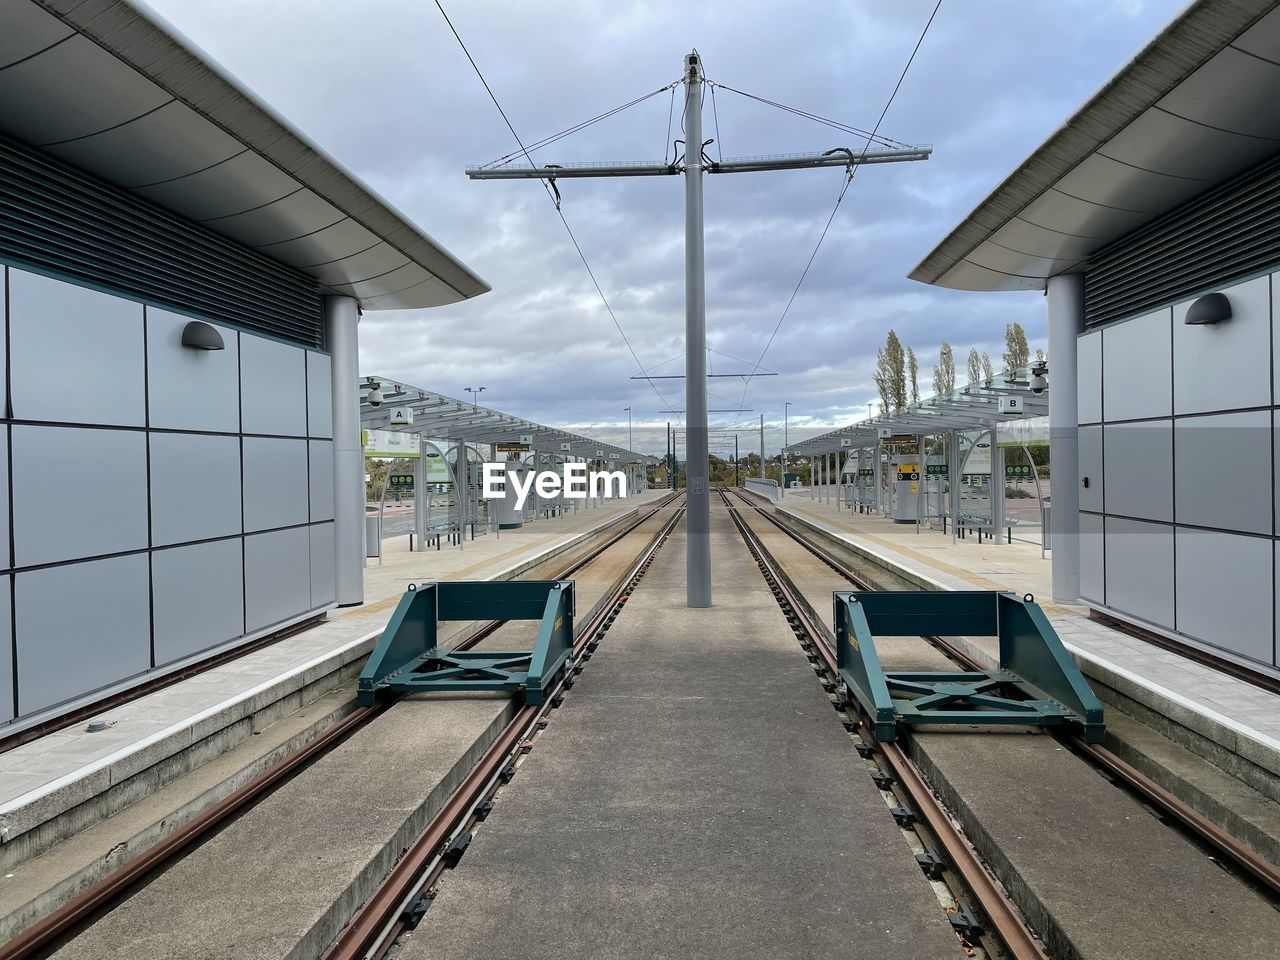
[[897, 375]]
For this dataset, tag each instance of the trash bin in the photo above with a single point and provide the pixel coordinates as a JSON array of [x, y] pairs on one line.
[[372, 535]]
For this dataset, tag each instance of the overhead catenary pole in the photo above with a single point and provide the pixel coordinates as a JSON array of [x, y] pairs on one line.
[[698, 496], [698, 502], [762, 446]]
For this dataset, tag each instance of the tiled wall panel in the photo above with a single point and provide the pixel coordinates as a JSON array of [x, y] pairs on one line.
[[1138, 368], [277, 571], [1089, 372], [80, 627], [319, 395], [130, 505], [1140, 569], [1213, 566], [1224, 471], [77, 355], [1092, 558], [191, 389], [275, 483], [1139, 469], [199, 597], [195, 487], [320, 454], [1091, 496], [77, 493], [322, 564], [1225, 366], [273, 387]]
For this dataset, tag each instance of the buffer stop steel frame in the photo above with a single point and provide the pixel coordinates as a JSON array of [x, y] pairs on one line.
[[408, 658], [1036, 682]]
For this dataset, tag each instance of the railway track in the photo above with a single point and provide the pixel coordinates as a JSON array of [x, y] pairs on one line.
[[1251, 866], [61, 923], [970, 880]]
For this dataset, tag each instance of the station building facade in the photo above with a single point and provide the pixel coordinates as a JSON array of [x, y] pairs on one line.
[[183, 276], [1151, 220]]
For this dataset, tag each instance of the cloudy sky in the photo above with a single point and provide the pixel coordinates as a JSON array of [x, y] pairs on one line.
[[384, 87]]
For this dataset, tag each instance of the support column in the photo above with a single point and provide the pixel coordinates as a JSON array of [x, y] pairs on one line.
[[997, 489], [420, 497], [1065, 296], [698, 494], [341, 323]]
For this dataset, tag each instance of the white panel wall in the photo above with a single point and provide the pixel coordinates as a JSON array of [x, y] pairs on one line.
[[195, 487], [322, 564], [275, 483], [1140, 569], [273, 388], [191, 389], [78, 493], [1224, 366], [1089, 372], [1224, 471], [77, 355], [1092, 558], [80, 627], [320, 460], [1091, 497], [1139, 469], [1137, 368], [135, 484], [277, 572], [319, 395], [7, 709], [1197, 452], [199, 597], [1215, 566]]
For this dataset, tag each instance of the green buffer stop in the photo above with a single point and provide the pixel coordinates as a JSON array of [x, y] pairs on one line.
[[1036, 683], [408, 658]]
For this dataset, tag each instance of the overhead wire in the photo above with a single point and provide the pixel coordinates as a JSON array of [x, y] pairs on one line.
[[871, 137], [551, 196]]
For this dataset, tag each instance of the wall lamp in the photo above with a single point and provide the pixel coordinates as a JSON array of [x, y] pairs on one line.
[[1214, 308], [199, 335]]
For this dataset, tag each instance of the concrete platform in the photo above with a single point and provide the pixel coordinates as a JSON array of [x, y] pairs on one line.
[[1232, 723], [696, 796], [63, 784]]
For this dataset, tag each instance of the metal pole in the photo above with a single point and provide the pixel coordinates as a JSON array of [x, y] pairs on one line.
[[737, 481], [782, 476], [698, 510], [762, 446]]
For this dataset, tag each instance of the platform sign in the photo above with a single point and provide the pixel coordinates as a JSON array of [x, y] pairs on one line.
[[526, 439], [846, 442], [908, 471], [401, 416], [1030, 432], [511, 447], [615, 456], [400, 481], [566, 447], [936, 470], [1012, 406], [434, 467], [388, 443], [1017, 471]]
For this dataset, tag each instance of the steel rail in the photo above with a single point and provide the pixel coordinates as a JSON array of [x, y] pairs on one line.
[[378, 923], [74, 912], [1194, 823], [1006, 922]]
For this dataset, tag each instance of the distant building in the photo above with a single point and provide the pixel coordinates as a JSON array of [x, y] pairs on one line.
[[183, 275], [1156, 197]]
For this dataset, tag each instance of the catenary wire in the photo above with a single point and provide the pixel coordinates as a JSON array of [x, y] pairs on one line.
[[551, 197], [839, 199]]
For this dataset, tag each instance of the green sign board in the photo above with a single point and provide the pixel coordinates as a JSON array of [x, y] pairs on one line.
[[936, 469], [1021, 471], [400, 481]]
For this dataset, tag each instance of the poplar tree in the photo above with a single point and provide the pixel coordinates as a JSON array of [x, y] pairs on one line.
[[975, 366], [1016, 353], [944, 372], [913, 371], [986, 368], [891, 375]]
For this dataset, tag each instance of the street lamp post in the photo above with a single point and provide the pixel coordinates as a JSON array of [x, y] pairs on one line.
[[630, 444], [782, 477], [475, 393]]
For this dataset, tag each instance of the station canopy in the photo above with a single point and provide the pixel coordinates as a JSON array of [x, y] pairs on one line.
[[1191, 110], [111, 88], [975, 407], [437, 417]]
